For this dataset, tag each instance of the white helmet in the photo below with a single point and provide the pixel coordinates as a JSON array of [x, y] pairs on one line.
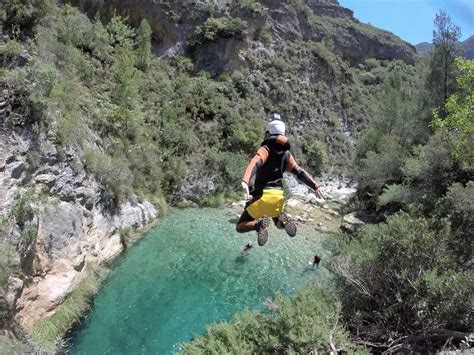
[[277, 126]]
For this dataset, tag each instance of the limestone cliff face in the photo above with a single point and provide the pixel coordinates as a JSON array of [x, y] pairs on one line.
[[172, 23], [72, 225]]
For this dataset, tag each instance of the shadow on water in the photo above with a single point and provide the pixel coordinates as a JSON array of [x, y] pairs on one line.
[[233, 220]]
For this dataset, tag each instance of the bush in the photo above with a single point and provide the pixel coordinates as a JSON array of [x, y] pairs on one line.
[[22, 210], [215, 200], [458, 207], [112, 173], [23, 15], [316, 156], [397, 279], [10, 346], [215, 28], [385, 166], [307, 322]]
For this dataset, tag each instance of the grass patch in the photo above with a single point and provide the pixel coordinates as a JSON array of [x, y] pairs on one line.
[[48, 331]]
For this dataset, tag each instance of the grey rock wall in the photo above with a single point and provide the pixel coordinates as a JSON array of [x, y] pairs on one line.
[[71, 223]]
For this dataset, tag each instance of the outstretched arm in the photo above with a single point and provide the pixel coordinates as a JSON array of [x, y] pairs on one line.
[[304, 177], [257, 161]]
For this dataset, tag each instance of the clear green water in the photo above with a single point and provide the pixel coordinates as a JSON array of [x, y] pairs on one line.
[[186, 274]]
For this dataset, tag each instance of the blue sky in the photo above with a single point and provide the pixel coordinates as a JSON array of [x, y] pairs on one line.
[[412, 20]]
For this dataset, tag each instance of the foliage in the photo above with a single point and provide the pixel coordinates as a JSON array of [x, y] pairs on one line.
[[441, 79], [254, 6], [113, 173], [144, 45], [458, 123], [397, 279], [214, 28], [316, 156], [214, 200], [307, 322], [458, 207], [23, 15], [22, 210]]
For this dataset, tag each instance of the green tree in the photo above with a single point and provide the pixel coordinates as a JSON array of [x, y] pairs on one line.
[[316, 156], [458, 121], [441, 81], [144, 45], [23, 15]]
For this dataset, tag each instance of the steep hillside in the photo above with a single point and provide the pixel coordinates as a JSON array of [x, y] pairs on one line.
[[289, 20], [306, 60]]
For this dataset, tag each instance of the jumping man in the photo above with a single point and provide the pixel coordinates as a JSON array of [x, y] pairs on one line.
[[273, 158]]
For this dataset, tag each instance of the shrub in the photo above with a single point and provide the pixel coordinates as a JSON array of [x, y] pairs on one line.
[[301, 324], [112, 173], [458, 206], [22, 210], [10, 346], [144, 45], [397, 279], [384, 166], [214, 28], [215, 200], [254, 6], [23, 15], [316, 156]]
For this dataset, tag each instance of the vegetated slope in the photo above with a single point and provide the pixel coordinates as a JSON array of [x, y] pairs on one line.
[[99, 124], [306, 60]]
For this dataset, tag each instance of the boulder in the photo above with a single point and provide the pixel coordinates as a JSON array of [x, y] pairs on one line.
[[350, 223]]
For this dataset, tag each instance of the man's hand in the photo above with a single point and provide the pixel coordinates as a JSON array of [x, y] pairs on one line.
[[245, 186], [320, 193]]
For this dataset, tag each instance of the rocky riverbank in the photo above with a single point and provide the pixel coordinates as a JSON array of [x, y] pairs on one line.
[[55, 216]]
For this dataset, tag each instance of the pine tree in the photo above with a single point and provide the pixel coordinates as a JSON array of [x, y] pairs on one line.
[[441, 81], [144, 45]]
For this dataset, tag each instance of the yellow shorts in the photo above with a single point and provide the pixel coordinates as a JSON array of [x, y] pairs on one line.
[[271, 204]]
